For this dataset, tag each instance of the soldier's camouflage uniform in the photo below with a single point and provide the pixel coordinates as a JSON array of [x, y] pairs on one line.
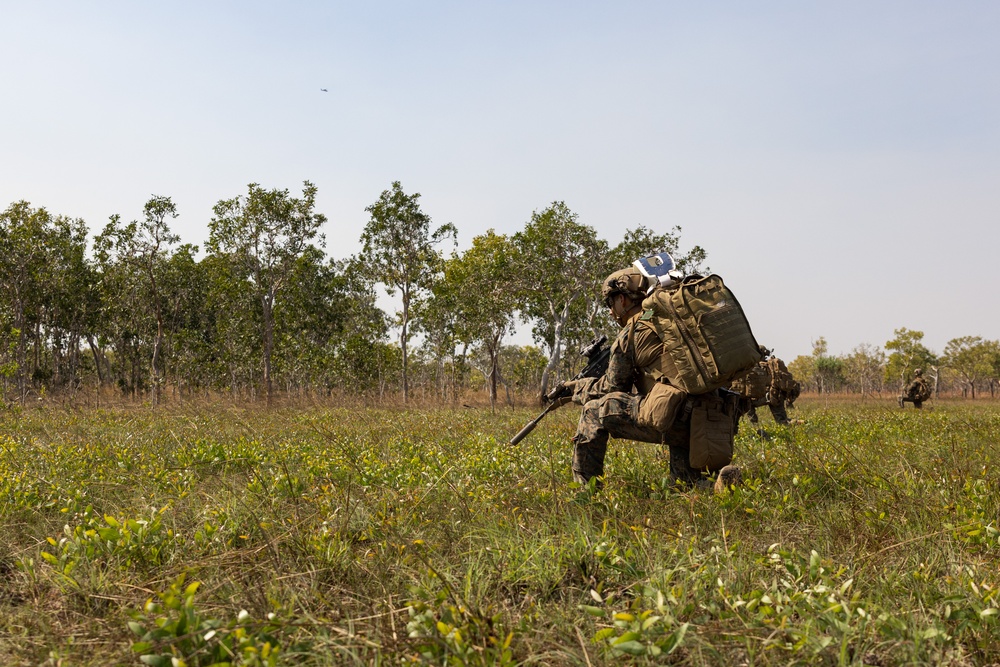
[[610, 408], [916, 392], [770, 396], [776, 396]]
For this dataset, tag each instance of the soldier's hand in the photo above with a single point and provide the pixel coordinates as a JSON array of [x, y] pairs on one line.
[[564, 390], [561, 401]]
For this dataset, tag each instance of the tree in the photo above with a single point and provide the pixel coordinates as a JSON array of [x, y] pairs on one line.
[[971, 357], [22, 260], [803, 369], [400, 251], [143, 249], [994, 352], [230, 333], [328, 303], [42, 289], [183, 284], [556, 256], [907, 353], [263, 234], [828, 371], [483, 279], [523, 366], [864, 369]]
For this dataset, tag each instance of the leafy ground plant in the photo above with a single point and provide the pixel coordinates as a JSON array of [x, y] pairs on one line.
[[864, 535]]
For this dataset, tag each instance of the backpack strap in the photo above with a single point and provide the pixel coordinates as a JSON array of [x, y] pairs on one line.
[[647, 317]]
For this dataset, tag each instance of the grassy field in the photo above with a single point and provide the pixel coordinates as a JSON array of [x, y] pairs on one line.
[[867, 535]]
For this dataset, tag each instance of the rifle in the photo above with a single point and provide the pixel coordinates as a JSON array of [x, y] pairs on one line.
[[598, 354]]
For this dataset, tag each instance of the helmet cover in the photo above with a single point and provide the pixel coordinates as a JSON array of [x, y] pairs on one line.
[[626, 281]]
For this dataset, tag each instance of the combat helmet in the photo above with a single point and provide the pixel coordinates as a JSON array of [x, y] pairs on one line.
[[626, 281]]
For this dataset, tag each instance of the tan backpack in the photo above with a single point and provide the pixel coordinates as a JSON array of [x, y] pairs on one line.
[[781, 378], [707, 341], [753, 385]]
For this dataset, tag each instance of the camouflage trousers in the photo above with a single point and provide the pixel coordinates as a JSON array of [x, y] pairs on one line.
[[615, 415], [777, 411]]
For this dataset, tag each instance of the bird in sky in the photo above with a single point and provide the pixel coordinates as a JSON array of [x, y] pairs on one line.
[[324, 90]]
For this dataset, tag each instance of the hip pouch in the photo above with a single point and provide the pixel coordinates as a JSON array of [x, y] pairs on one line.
[[660, 406], [713, 427]]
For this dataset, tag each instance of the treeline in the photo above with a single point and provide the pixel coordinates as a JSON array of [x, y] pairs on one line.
[[968, 366], [263, 310]]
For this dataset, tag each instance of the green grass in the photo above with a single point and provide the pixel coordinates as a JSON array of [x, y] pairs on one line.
[[867, 535]]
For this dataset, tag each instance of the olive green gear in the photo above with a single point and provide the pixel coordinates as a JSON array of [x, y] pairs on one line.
[[626, 281]]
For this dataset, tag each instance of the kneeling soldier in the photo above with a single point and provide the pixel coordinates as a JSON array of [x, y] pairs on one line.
[[633, 400]]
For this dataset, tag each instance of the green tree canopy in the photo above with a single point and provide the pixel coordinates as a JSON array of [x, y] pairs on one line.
[[483, 277], [401, 252], [971, 357], [556, 256], [263, 234], [907, 353]]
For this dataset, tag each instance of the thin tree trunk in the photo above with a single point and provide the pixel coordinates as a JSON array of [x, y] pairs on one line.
[[556, 354], [402, 343], [268, 344], [157, 344]]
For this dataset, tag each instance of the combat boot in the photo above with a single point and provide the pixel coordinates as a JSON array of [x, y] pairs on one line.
[[728, 478]]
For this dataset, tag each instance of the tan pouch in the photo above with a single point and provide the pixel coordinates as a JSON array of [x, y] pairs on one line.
[[660, 406], [713, 427]]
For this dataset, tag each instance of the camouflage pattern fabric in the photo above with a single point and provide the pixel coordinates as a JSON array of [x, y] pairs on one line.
[[774, 396], [614, 414], [610, 408], [777, 411], [781, 378], [916, 392], [777, 407], [793, 394], [754, 384]]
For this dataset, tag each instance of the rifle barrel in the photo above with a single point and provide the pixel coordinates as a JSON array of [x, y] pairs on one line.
[[530, 426], [523, 433]]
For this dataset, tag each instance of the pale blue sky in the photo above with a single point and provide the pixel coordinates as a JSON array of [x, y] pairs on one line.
[[840, 161]]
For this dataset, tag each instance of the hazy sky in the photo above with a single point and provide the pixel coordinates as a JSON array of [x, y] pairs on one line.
[[839, 161]]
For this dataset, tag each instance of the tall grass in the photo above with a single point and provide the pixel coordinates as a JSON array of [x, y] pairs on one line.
[[866, 535]]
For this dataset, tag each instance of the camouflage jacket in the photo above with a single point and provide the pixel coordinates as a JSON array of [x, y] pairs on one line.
[[919, 389], [633, 364]]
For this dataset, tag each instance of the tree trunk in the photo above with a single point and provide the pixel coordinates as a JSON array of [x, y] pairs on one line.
[[157, 345], [268, 302], [493, 378], [555, 355], [402, 343]]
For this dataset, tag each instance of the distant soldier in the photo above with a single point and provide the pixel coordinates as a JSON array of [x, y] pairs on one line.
[[916, 392], [793, 393], [754, 385], [783, 389], [769, 384]]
